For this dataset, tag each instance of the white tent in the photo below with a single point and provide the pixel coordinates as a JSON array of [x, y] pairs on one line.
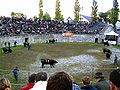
[[118, 24], [111, 37], [111, 33]]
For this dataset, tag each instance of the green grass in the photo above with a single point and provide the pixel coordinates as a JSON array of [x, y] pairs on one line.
[[117, 46]]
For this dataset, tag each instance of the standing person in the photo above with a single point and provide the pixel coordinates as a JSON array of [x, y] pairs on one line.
[[5, 44], [114, 78], [59, 81], [29, 46], [9, 44], [15, 73], [75, 85], [41, 81], [15, 42], [101, 83], [116, 60], [86, 84], [31, 82]]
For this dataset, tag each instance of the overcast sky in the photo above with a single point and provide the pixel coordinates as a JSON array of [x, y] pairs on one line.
[[30, 7]]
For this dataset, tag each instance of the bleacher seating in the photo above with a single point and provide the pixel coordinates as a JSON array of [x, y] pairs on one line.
[[17, 26]]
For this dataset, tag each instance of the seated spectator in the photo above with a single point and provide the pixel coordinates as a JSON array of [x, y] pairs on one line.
[[5, 84], [115, 79], [41, 81], [75, 86], [86, 84], [31, 82], [101, 83], [59, 81]]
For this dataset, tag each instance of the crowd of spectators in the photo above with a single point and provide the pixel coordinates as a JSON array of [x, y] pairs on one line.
[[63, 81], [18, 26]]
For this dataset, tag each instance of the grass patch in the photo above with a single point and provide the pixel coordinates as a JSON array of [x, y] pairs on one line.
[[22, 57]]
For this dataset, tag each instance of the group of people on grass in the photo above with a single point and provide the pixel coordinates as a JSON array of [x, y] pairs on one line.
[[64, 81]]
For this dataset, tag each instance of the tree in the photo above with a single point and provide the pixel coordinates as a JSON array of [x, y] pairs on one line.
[[77, 11], [104, 16], [94, 10], [46, 16], [114, 13], [17, 14], [58, 15], [12, 14], [40, 9]]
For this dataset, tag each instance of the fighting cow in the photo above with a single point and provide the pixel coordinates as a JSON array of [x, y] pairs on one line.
[[106, 50], [106, 43], [50, 62], [108, 55], [52, 41], [7, 50]]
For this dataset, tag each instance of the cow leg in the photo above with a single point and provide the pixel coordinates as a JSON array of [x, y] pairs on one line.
[[50, 65], [42, 65], [53, 65]]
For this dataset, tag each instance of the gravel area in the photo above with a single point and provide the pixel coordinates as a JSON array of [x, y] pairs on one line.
[[75, 64]]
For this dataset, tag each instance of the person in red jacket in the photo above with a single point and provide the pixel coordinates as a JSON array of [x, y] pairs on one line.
[[31, 80]]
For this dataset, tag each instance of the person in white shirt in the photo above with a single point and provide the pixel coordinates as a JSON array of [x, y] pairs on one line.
[[41, 81]]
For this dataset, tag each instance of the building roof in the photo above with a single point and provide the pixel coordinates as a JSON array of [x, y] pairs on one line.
[[111, 33], [86, 18]]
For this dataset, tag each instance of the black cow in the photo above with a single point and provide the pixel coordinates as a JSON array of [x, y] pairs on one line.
[[26, 44], [50, 62], [7, 50], [106, 43], [106, 50], [52, 41], [108, 55]]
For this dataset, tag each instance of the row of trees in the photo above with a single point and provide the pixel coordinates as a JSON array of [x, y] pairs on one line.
[[58, 14], [109, 16]]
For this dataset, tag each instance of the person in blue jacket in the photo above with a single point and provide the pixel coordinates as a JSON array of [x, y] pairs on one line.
[[15, 72]]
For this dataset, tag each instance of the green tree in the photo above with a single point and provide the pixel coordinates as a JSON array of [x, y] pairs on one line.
[[114, 14], [12, 14], [40, 9], [77, 11], [104, 15], [17, 14], [94, 10], [58, 15], [47, 16]]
